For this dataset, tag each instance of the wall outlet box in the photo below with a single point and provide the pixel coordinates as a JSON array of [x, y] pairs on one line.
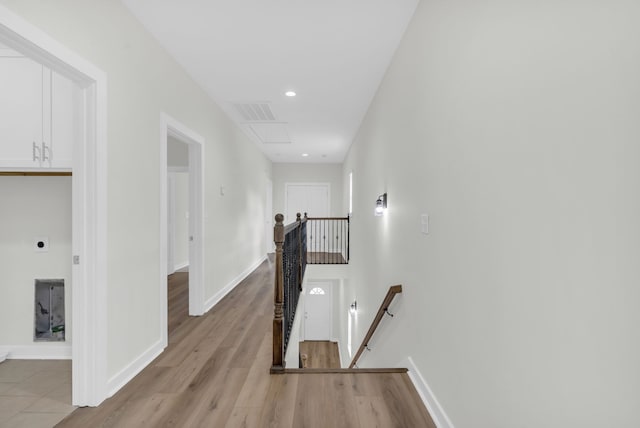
[[41, 244]]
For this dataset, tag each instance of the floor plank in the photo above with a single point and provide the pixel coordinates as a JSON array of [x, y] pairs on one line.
[[319, 354]]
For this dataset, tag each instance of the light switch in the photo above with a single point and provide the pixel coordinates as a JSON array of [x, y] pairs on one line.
[[424, 223]]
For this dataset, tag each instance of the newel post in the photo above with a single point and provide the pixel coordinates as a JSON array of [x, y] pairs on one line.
[[278, 298], [299, 221]]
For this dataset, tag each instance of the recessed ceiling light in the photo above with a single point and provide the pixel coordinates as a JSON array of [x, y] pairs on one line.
[[290, 94], [304, 155]]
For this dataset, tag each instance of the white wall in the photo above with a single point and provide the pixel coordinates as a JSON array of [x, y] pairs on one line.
[[144, 81], [33, 207], [514, 125], [177, 153], [308, 173]]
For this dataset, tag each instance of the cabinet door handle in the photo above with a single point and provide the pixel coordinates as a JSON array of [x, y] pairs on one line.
[[36, 156], [44, 152]]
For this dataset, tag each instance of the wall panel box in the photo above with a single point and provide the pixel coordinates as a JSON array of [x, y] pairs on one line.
[[49, 322]]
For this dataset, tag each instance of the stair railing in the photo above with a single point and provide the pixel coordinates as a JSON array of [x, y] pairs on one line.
[[290, 264], [328, 240], [384, 309]]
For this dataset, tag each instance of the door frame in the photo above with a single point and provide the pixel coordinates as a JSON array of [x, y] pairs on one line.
[[89, 205], [195, 142], [269, 218]]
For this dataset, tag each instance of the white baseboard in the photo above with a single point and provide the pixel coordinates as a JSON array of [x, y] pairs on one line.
[[121, 378], [339, 352], [37, 351], [179, 266], [213, 300], [436, 411]]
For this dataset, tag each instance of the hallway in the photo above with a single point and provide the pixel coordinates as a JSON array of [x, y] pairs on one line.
[[215, 373]]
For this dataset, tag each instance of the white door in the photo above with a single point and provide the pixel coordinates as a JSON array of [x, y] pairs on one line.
[[318, 317], [312, 199]]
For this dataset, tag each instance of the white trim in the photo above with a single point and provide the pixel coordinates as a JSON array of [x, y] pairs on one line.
[[179, 266], [430, 401], [121, 378], [178, 169], [195, 142], [89, 293], [196, 220], [339, 350], [171, 216], [270, 246], [213, 300], [37, 351]]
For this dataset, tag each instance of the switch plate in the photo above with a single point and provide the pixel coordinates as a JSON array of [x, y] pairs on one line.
[[424, 223], [41, 244]]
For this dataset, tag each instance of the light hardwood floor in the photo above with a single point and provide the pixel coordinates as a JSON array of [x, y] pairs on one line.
[[320, 354], [215, 373]]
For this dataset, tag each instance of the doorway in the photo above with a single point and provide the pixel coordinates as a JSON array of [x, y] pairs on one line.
[[189, 148], [89, 203], [318, 311], [177, 233]]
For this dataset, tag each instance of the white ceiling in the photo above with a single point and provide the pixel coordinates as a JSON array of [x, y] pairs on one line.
[[332, 53]]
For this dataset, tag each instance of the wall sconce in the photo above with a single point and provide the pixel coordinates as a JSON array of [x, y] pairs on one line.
[[381, 204], [354, 307]]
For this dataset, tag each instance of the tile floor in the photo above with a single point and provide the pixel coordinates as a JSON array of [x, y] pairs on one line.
[[34, 393]]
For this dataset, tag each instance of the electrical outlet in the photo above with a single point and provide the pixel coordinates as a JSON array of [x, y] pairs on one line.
[[41, 244]]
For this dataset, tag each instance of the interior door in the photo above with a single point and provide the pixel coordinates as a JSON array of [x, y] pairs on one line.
[[317, 315], [312, 199]]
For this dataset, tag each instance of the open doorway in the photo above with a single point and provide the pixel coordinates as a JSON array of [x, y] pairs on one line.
[[88, 199], [181, 224], [177, 232]]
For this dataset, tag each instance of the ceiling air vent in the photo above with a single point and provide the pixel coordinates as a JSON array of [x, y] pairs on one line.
[[255, 112]]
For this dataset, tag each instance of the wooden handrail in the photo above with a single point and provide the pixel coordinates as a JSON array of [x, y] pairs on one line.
[[376, 321], [36, 173], [326, 218]]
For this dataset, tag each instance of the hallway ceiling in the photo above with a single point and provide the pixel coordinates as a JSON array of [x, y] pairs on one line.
[[247, 53]]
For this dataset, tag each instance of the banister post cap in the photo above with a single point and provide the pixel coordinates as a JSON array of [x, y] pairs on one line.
[[279, 218]]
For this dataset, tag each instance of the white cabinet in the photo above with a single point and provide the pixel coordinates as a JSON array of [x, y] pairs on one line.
[[64, 116], [36, 117]]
